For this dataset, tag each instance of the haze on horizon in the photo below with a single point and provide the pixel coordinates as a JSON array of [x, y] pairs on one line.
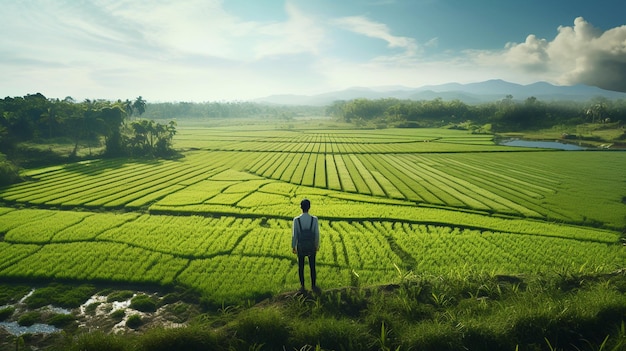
[[211, 50]]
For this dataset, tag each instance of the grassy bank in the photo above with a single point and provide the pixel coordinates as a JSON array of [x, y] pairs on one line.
[[478, 312]]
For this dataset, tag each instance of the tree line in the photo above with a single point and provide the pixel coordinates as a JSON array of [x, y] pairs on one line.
[[235, 109], [506, 115], [93, 122]]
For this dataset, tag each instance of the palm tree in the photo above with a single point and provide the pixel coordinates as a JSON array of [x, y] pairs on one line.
[[598, 110], [140, 129], [139, 105], [171, 129], [128, 107]]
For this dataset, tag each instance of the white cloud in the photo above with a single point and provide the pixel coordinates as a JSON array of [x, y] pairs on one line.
[[581, 54], [196, 50], [111, 49], [299, 34], [433, 42], [364, 26], [531, 55], [202, 27], [184, 27]]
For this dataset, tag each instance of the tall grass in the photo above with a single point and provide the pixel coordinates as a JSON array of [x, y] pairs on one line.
[[480, 312]]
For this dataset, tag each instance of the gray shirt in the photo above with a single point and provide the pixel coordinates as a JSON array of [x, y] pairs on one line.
[[305, 222]]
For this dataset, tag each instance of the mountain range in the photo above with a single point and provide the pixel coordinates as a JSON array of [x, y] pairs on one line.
[[472, 93]]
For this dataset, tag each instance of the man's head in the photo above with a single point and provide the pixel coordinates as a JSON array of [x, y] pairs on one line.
[[305, 205]]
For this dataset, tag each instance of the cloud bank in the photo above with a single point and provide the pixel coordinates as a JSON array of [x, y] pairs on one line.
[[198, 50], [581, 54]]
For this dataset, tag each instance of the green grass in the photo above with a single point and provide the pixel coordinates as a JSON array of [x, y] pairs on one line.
[[122, 295], [118, 315], [29, 318], [6, 312], [475, 312], [588, 133], [10, 293], [134, 321], [568, 188], [60, 295], [439, 212], [229, 258], [451, 208], [61, 320], [143, 303]]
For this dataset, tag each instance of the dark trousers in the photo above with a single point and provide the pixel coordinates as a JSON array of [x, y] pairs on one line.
[[311, 267]]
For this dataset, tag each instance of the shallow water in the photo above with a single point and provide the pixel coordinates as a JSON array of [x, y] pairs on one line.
[[37, 328], [542, 144]]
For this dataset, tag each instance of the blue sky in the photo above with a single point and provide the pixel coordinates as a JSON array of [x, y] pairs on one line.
[[210, 50]]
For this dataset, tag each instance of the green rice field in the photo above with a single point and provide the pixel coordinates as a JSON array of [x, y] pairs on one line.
[[218, 219]]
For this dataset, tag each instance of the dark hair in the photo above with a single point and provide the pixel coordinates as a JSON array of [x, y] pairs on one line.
[[305, 204]]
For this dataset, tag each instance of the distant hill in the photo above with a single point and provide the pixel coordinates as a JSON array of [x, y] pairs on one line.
[[472, 93]]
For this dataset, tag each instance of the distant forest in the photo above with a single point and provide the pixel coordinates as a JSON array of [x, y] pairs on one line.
[[506, 115], [219, 110], [140, 129], [35, 117], [134, 128]]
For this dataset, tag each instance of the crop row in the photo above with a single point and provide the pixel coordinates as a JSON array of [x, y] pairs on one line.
[[547, 185], [345, 245], [455, 190], [437, 250], [237, 257], [44, 229], [11, 254], [567, 189], [95, 261], [426, 140], [342, 173], [398, 176], [231, 278], [559, 185], [241, 132], [103, 184], [270, 200], [261, 197], [181, 236], [356, 147]]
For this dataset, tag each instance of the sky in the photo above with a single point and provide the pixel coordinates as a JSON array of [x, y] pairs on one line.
[[234, 50]]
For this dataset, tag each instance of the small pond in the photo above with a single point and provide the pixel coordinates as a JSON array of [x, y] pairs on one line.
[[37, 328], [541, 144]]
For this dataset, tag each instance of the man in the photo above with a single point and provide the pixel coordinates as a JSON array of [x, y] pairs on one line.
[[305, 242]]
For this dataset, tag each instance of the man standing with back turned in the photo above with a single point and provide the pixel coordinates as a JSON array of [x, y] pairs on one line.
[[305, 241]]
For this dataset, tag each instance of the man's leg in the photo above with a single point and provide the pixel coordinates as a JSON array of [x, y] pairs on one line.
[[313, 273], [301, 270]]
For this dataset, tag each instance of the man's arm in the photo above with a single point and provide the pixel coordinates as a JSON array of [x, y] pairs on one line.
[[294, 240], [317, 234]]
